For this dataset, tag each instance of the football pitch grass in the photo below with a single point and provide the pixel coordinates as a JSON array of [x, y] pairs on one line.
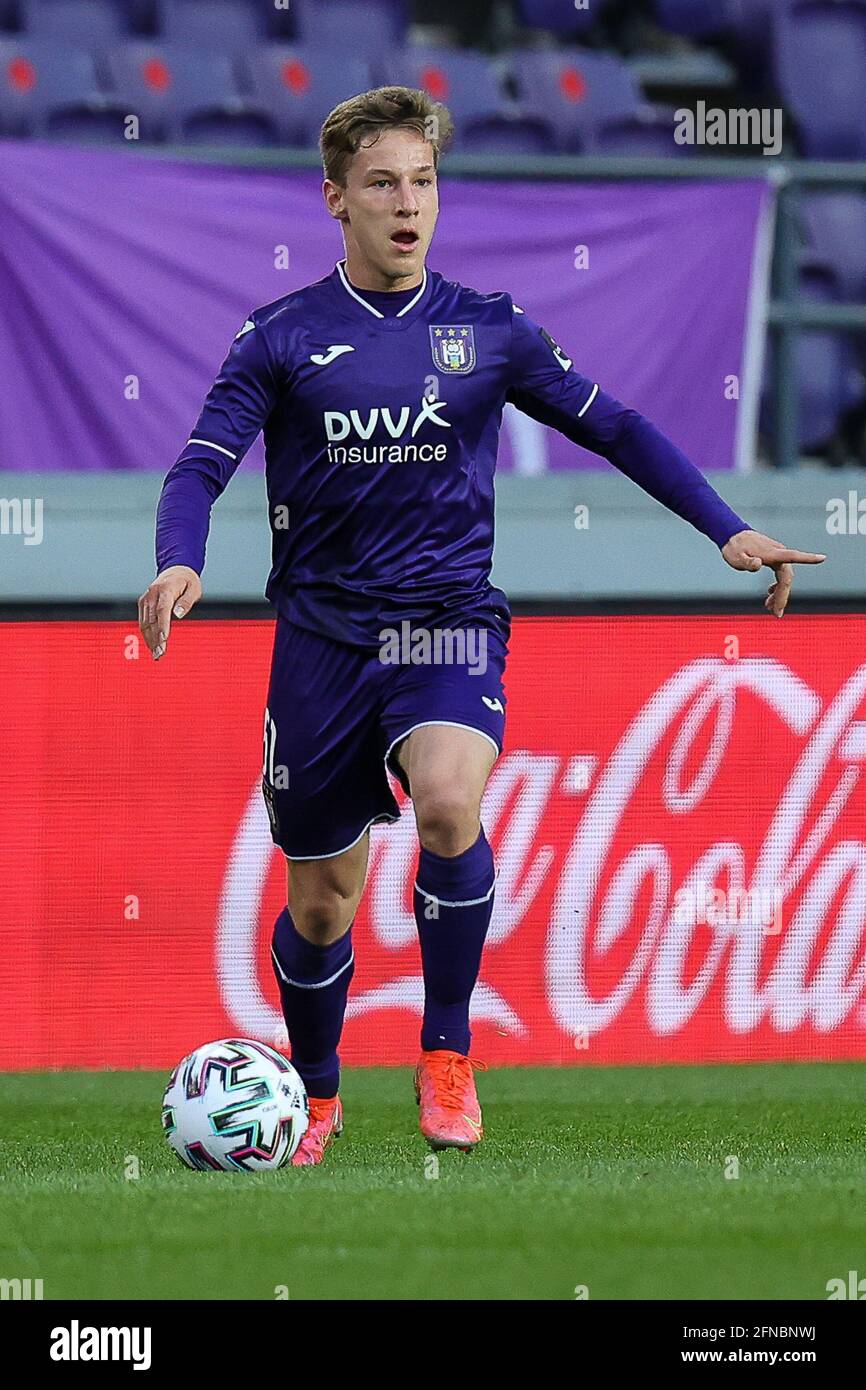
[[609, 1178]]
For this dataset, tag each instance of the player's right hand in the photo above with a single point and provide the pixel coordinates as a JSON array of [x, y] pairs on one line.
[[172, 594], [749, 550]]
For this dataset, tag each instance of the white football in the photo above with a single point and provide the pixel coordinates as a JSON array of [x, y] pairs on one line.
[[235, 1105]]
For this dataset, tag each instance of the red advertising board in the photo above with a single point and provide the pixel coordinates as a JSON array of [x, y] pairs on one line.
[[651, 764]]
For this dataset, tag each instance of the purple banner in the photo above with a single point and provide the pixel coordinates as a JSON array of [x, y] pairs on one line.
[[124, 279]]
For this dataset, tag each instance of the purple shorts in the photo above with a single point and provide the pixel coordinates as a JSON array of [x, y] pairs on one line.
[[336, 715]]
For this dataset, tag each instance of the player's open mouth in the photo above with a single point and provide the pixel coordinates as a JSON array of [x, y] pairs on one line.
[[406, 241]]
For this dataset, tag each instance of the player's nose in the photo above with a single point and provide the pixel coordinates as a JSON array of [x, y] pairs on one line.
[[407, 200]]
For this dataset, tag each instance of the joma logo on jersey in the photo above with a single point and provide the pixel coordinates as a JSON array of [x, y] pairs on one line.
[[453, 346], [398, 423]]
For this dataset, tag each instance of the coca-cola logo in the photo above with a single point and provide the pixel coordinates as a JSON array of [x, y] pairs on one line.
[[791, 865], [732, 777]]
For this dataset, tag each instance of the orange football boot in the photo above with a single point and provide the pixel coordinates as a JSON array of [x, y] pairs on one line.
[[450, 1116], [326, 1123]]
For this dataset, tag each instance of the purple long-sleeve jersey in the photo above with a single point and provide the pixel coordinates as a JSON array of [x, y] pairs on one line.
[[380, 443]]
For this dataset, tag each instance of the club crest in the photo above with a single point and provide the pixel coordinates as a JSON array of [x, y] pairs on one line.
[[453, 347]]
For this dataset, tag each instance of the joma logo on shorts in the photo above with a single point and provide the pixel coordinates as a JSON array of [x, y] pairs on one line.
[[339, 426]]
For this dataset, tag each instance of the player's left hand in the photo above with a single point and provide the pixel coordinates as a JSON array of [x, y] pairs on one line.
[[749, 550]]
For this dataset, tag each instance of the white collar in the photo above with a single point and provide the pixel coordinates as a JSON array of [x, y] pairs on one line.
[[350, 289]]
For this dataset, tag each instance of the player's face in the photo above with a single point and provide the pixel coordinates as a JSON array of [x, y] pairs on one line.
[[388, 209]]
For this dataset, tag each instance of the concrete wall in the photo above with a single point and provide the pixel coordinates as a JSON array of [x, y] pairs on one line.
[[98, 537]]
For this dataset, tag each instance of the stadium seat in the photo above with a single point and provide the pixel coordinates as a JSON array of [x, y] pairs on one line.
[[694, 19], [744, 25], [372, 29], [48, 89], [828, 379], [749, 37], [509, 132], [562, 85], [751, 21], [188, 95], [213, 24], [558, 17], [819, 58], [648, 134], [298, 86], [593, 102], [85, 22], [212, 126], [835, 224], [466, 82], [284, 22]]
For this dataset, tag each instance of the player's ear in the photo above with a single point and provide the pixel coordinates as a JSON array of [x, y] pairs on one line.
[[334, 199]]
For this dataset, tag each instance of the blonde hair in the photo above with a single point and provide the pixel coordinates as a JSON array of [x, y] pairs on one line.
[[383, 108]]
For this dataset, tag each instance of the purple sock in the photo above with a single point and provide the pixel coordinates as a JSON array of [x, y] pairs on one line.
[[453, 901], [314, 985]]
